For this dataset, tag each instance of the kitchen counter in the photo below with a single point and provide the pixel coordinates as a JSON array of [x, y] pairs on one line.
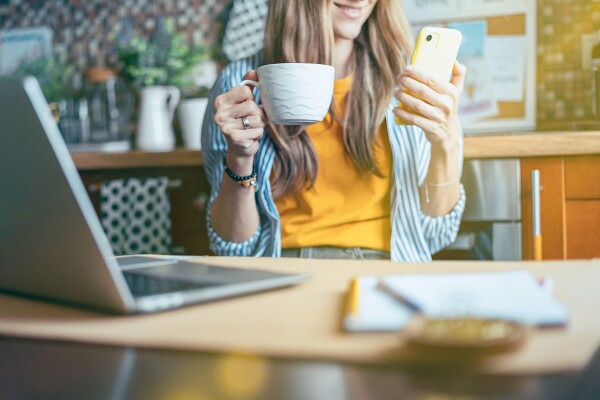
[[533, 144], [509, 145], [137, 159]]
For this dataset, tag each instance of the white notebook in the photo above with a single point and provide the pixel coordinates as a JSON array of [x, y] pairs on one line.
[[511, 295], [377, 310]]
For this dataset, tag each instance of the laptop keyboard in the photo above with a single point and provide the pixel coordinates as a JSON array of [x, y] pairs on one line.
[[146, 285]]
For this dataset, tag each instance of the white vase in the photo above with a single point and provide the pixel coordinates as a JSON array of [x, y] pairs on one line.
[[155, 122], [191, 114]]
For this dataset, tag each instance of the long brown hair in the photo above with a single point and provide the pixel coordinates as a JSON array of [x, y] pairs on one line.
[[302, 31]]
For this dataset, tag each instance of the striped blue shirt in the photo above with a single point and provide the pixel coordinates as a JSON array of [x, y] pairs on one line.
[[415, 236]]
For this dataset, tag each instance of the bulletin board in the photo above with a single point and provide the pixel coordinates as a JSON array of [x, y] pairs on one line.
[[499, 50]]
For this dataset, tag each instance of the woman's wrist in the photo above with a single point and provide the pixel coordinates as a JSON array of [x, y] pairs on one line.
[[446, 146], [443, 166], [445, 151], [240, 165]]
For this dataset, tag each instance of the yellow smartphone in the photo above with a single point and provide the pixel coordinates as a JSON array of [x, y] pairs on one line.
[[435, 52]]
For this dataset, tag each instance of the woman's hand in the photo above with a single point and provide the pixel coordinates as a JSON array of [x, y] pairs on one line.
[[242, 142], [432, 105]]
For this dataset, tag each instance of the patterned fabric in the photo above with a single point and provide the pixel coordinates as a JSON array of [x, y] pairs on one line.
[[245, 30], [415, 236], [135, 214]]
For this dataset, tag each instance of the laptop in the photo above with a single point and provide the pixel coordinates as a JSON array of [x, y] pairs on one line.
[[52, 244]]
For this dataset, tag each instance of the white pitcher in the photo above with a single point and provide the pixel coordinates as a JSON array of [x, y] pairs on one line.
[[155, 122], [191, 113]]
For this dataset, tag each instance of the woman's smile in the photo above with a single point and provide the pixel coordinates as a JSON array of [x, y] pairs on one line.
[[351, 12], [349, 16]]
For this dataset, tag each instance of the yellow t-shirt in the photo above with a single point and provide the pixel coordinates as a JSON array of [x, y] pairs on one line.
[[346, 207]]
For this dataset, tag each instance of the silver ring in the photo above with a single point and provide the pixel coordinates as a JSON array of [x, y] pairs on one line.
[[246, 122]]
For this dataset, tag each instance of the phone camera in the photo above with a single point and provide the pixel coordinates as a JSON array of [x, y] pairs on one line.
[[429, 37]]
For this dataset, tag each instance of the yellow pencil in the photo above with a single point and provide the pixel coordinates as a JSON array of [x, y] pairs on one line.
[[352, 297]]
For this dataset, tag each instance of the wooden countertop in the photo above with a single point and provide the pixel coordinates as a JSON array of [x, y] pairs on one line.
[[533, 144], [508, 145], [137, 159]]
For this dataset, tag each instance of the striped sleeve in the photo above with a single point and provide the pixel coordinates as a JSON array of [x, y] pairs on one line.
[[440, 231], [214, 147]]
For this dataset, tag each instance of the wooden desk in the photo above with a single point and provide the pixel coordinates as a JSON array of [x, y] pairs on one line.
[[304, 321]]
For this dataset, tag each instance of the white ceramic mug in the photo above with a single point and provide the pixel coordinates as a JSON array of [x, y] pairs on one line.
[[295, 93]]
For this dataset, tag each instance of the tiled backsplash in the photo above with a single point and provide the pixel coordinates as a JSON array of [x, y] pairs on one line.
[[564, 90], [84, 32]]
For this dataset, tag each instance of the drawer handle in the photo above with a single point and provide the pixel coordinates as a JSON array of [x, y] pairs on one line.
[[536, 222]]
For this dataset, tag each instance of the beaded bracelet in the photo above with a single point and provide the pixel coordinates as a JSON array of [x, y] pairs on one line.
[[248, 181]]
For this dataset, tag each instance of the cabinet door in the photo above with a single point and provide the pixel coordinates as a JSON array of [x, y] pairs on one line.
[[552, 204], [582, 178], [582, 191], [583, 229]]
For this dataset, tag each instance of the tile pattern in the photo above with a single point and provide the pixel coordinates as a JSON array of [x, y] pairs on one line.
[[564, 89], [85, 30]]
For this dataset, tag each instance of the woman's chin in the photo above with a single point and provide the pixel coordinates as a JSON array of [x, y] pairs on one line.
[[346, 32]]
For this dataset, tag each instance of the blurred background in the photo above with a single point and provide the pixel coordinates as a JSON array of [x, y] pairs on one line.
[[84, 34], [127, 82]]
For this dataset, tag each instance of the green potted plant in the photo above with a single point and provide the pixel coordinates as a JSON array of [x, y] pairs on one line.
[[53, 74], [158, 67]]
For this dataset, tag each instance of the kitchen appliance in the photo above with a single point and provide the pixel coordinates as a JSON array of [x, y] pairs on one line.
[[491, 223]]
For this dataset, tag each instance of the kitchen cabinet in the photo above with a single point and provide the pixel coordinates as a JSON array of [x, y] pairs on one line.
[[570, 206], [569, 164], [187, 194]]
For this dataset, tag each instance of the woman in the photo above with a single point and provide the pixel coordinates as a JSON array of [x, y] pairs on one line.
[[357, 185]]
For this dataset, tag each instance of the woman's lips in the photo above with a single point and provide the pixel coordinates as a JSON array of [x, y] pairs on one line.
[[349, 12]]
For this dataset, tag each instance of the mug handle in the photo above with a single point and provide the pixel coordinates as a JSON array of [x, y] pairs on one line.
[[253, 83], [250, 82]]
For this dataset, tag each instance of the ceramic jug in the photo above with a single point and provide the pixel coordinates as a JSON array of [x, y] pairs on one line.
[[155, 123]]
